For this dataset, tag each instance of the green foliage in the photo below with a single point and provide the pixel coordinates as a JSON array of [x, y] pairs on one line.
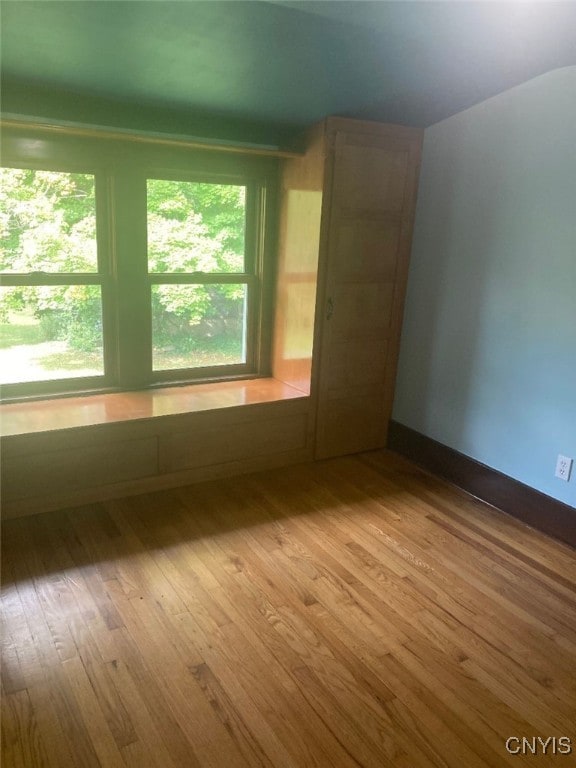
[[220, 209], [48, 223]]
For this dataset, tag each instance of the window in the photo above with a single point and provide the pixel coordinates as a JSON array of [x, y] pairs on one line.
[[51, 292], [200, 274], [127, 267]]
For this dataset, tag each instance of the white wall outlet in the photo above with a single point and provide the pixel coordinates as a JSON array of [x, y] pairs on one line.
[[563, 467]]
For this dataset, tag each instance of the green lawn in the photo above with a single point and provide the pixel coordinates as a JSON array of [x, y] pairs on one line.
[[52, 357], [12, 334]]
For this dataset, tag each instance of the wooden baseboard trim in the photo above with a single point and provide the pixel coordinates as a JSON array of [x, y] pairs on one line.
[[532, 507]]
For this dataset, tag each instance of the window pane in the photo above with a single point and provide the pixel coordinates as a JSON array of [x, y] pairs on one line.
[[198, 325], [195, 227], [47, 221], [50, 332]]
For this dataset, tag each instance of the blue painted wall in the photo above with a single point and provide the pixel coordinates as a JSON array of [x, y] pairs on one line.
[[488, 355]]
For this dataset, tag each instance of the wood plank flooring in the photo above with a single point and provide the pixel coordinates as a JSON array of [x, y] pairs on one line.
[[353, 612]]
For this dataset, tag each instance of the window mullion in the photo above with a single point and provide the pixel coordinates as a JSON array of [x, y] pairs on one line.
[[132, 286], [104, 238], [201, 278], [264, 244]]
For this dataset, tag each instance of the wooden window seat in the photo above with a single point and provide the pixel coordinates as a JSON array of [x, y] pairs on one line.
[[70, 451]]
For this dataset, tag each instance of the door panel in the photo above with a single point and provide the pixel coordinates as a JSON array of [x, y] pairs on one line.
[[366, 249], [361, 310], [366, 254], [370, 178]]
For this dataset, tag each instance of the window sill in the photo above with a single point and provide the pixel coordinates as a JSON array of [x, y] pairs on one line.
[[40, 416]]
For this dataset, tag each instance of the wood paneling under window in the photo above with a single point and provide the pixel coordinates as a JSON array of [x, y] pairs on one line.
[[84, 467], [161, 442], [213, 443]]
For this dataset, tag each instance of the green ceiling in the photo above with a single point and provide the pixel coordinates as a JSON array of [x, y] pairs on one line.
[[260, 71]]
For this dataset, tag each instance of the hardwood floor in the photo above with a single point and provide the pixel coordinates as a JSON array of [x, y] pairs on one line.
[[353, 612]]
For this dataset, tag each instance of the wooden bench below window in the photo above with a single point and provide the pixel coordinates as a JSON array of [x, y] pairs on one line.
[[71, 451]]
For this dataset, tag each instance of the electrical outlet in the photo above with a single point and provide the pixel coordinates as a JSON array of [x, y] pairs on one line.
[[563, 467]]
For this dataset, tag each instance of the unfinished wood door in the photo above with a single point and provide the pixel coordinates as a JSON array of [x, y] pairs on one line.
[[371, 209]]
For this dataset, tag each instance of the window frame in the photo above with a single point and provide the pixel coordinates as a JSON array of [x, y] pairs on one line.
[[121, 169], [101, 277], [251, 276]]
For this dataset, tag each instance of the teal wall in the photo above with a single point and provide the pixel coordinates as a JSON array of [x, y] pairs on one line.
[[488, 355]]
